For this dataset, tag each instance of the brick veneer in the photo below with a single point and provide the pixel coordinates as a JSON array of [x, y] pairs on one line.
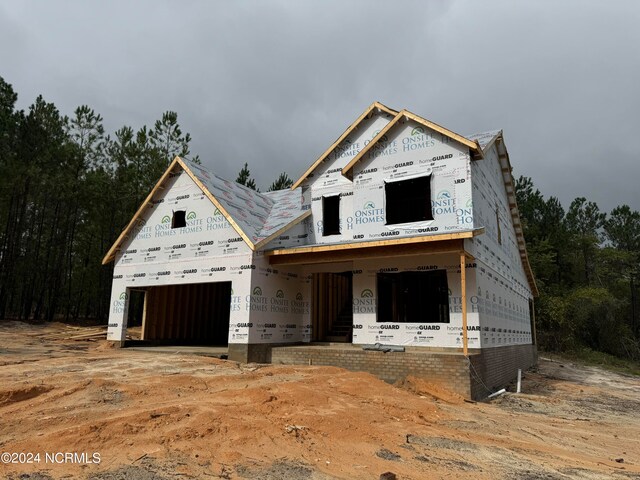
[[495, 367]]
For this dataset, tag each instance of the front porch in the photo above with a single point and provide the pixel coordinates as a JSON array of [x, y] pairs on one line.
[[474, 375], [448, 369], [390, 291]]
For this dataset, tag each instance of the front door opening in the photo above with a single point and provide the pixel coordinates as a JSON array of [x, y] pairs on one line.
[[332, 309], [194, 314]]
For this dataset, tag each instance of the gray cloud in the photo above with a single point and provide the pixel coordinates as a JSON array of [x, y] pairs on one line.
[[274, 83]]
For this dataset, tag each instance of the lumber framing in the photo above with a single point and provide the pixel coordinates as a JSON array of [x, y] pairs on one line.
[[427, 244], [351, 128], [147, 201], [463, 295], [110, 256], [474, 146], [218, 205], [276, 234]]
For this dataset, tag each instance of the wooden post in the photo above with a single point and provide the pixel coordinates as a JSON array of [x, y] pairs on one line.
[[143, 335], [463, 293]]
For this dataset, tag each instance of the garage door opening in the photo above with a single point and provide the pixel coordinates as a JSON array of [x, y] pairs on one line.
[[195, 314]]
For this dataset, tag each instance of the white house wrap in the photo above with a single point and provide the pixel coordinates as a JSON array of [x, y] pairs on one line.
[[401, 233]]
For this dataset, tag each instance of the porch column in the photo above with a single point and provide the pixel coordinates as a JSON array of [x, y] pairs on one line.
[[463, 292]]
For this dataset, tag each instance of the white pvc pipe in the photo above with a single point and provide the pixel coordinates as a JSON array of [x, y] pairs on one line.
[[519, 380], [499, 392]]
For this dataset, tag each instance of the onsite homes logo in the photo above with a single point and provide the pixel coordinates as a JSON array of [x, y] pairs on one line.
[[369, 213], [191, 216], [366, 303], [279, 294], [443, 204], [255, 301], [417, 131], [465, 215], [166, 219], [119, 303], [299, 306]]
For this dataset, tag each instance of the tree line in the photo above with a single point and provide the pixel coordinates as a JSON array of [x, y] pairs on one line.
[[67, 189], [586, 265]]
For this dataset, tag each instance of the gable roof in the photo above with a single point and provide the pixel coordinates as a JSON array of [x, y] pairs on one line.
[[474, 146], [366, 114], [257, 217]]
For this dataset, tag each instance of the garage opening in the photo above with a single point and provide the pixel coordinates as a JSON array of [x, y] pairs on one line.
[[194, 314]]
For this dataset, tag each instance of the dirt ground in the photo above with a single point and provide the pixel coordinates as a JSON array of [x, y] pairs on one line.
[[152, 415]]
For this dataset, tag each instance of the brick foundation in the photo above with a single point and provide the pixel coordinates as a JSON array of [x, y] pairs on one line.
[[499, 366], [495, 367], [252, 352]]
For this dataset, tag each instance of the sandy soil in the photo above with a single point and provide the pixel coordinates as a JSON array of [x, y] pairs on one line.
[[163, 416]]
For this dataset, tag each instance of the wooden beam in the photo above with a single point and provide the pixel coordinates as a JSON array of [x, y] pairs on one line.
[[351, 128], [144, 316], [474, 146], [346, 171], [463, 290], [218, 205], [116, 245], [377, 243], [331, 256], [266, 240]]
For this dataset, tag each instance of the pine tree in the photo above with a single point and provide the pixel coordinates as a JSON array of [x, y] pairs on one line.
[[282, 182], [244, 178]]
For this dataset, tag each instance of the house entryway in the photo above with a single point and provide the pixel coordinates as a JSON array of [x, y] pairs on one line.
[[332, 307]]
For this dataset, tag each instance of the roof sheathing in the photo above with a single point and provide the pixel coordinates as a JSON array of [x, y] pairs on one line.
[[366, 114], [474, 146]]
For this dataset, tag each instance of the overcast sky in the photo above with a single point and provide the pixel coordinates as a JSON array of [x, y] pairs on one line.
[[273, 83]]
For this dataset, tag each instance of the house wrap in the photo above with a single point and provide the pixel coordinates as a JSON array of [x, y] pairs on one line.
[[402, 233]]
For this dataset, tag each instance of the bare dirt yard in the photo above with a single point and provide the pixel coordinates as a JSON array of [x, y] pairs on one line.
[[150, 415]]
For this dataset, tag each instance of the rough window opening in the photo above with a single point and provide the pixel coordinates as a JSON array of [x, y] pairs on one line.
[[179, 219], [331, 215], [416, 297], [408, 200]]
